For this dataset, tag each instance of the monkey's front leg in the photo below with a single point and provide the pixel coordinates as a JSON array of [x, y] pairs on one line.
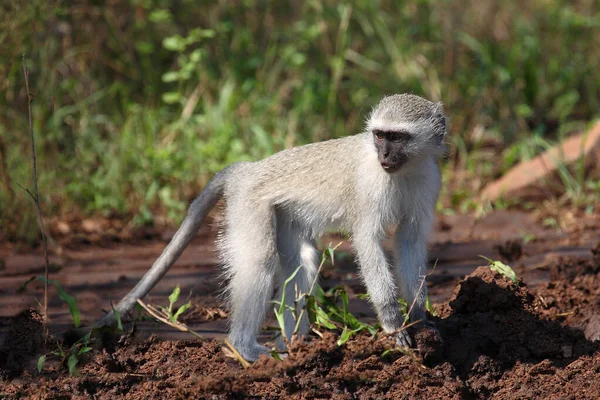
[[380, 283], [411, 266]]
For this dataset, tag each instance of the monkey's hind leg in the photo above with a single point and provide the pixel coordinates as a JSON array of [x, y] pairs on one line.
[[296, 250], [251, 259]]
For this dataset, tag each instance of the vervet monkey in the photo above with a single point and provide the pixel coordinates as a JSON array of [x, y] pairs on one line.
[[388, 175]]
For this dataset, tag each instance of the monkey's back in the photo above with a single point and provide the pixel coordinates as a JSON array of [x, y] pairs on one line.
[[315, 181]]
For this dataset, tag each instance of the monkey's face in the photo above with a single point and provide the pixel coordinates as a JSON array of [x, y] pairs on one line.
[[406, 129], [392, 147]]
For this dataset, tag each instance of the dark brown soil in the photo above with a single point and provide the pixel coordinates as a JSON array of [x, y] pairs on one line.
[[24, 341], [495, 339], [498, 339]]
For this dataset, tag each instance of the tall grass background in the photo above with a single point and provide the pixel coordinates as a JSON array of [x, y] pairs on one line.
[[138, 102]]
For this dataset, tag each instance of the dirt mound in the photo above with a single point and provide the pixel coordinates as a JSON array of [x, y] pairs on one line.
[[495, 339], [25, 339], [492, 324]]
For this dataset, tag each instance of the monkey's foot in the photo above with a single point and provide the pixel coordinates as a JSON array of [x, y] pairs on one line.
[[251, 352]]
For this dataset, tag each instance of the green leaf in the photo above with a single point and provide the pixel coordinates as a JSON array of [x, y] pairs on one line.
[[429, 306], [67, 298], [196, 56], [330, 251], [25, 284], [173, 298], [346, 334], [60, 351], [502, 268], [84, 350], [40, 363], [180, 311], [310, 306], [86, 338], [171, 97], [323, 319], [72, 364], [117, 315], [170, 76], [174, 43], [279, 311], [280, 319], [372, 330], [386, 352], [344, 296], [160, 15]]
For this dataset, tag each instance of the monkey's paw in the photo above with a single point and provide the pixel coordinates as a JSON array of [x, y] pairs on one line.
[[252, 352]]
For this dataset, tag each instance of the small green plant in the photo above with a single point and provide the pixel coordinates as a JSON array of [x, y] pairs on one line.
[[62, 294], [429, 306], [166, 314], [502, 268], [328, 313], [173, 297], [69, 357]]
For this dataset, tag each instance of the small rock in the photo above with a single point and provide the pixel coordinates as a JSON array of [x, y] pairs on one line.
[[592, 328]]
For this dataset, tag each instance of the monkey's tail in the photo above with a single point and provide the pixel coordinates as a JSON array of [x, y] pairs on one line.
[[197, 212]]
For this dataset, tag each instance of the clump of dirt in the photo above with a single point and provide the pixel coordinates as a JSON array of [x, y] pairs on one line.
[[25, 339], [573, 295], [493, 339]]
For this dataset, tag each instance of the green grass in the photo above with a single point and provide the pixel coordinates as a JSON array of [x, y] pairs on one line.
[[137, 103]]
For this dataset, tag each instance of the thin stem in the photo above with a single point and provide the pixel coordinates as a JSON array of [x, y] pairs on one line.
[[36, 197]]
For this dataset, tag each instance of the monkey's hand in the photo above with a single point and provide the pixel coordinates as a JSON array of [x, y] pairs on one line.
[[403, 338]]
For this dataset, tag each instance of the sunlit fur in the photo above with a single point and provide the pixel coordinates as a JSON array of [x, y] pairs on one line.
[[277, 206]]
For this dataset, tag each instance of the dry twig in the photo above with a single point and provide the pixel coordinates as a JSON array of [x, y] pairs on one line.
[[163, 317]]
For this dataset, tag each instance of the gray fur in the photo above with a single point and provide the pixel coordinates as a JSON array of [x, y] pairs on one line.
[[277, 206]]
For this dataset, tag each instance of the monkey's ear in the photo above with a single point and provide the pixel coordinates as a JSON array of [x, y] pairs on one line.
[[442, 121], [439, 128], [440, 124]]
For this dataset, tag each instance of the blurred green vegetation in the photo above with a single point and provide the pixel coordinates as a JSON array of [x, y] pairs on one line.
[[138, 102]]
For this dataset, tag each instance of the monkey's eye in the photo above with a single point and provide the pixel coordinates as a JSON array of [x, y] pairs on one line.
[[395, 137], [378, 135]]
